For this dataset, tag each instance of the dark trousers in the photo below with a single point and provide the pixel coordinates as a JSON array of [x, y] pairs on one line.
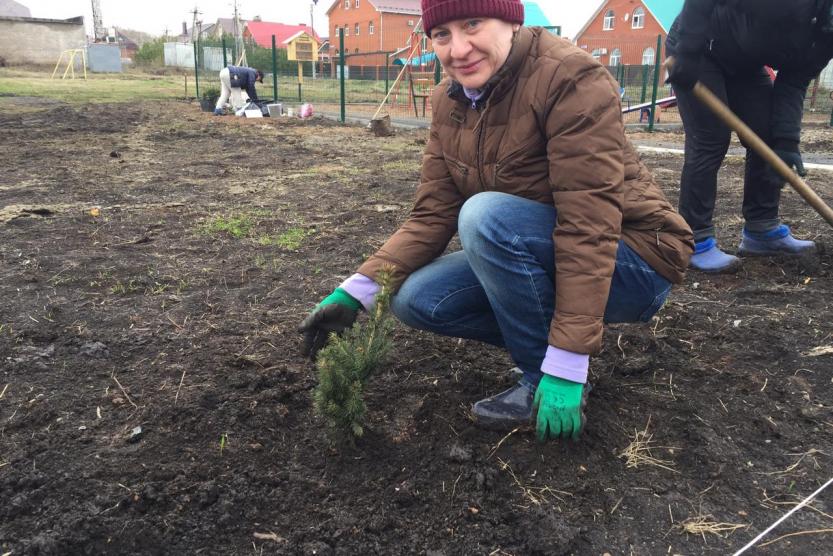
[[749, 95]]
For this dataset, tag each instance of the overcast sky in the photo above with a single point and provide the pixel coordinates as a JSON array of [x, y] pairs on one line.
[[154, 16]]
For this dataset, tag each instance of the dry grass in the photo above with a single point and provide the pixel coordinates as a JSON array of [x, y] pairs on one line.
[[801, 457], [638, 452], [772, 503], [536, 495], [782, 537], [702, 524]]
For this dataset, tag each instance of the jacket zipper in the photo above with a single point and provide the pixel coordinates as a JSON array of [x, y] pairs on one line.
[[480, 127]]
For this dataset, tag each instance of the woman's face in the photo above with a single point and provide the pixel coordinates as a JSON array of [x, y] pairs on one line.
[[472, 50]]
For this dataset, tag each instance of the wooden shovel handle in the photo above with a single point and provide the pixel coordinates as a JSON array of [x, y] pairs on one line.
[[752, 141]]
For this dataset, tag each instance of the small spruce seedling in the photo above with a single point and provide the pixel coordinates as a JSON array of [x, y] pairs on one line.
[[346, 363]]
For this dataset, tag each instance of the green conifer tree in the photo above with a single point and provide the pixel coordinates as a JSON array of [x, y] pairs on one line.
[[345, 364]]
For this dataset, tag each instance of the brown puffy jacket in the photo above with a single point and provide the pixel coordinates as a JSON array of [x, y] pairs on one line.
[[551, 131]]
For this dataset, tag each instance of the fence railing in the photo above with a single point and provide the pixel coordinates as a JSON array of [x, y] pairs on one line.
[[398, 80]]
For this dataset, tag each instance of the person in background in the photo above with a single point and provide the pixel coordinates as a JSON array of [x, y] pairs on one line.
[[562, 227], [235, 79], [726, 44]]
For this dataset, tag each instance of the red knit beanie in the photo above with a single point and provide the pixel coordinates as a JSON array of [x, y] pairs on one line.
[[437, 12]]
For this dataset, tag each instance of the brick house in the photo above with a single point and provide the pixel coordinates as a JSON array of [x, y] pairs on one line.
[[372, 26], [127, 46], [625, 31]]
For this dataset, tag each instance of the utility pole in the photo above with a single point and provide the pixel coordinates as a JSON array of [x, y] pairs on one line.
[[238, 38], [312, 26], [194, 34], [99, 31]]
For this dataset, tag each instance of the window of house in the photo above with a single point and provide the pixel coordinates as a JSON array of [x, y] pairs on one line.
[[357, 29], [615, 57], [597, 53], [356, 51], [610, 17], [371, 28], [346, 31], [410, 23], [357, 3], [648, 57], [638, 21], [346, 4]]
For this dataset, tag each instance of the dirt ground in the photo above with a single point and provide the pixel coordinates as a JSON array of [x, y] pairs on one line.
[[155, 263]]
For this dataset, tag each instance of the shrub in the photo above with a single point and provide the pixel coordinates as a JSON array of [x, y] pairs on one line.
[[151, 53]]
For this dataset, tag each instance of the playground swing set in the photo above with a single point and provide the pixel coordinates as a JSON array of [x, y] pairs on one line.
[[416, 80]]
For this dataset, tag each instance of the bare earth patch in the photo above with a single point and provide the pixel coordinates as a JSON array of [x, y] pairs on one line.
[[153, 399]]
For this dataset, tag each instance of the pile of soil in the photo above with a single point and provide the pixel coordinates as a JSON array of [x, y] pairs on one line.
[[155, 264]]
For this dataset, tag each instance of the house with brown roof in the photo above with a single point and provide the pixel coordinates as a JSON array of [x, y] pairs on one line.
[[225, 26], [127, 46], [626, 31], [372, 28]]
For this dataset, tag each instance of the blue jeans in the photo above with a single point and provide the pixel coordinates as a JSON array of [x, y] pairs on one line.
[[499, 288]]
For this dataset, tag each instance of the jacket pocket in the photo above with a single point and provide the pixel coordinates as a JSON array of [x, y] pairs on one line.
[[461, 173]]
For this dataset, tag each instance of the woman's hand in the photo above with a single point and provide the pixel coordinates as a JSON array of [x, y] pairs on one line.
[[559, 406], [335, 313]]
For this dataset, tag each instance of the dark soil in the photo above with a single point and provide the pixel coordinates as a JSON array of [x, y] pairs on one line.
[[153, 399]]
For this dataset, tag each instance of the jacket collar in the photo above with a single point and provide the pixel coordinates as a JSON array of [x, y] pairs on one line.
[[505, 78]]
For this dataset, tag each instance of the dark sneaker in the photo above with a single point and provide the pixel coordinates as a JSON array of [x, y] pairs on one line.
[[774, 242], [505, 411]]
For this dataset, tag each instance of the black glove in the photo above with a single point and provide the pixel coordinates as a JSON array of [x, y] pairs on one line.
[[685, 71], [788, 152], [335, 313]]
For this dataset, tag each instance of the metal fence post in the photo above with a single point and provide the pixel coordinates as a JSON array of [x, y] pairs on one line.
[[225, 60], [274, 70], [438, 70], [341, 85], [645, 71], [387, 73], [657, 68], [196, 71]]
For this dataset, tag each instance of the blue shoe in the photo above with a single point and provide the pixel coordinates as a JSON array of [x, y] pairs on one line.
[[219, 112], [708, 257], [774, 242]]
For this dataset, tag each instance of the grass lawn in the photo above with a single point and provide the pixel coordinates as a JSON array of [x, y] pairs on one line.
[[137, 86], [96, 88]]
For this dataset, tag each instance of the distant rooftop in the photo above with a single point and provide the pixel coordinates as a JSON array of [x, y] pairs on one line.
[[10, 8]]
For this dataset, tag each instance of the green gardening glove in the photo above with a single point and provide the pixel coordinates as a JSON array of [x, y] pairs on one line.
[[558, 403], [337, 312]]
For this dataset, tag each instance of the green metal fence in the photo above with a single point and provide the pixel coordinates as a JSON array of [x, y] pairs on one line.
[[352, 83]]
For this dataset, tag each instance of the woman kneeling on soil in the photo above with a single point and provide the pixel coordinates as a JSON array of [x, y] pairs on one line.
[[561, 225]]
